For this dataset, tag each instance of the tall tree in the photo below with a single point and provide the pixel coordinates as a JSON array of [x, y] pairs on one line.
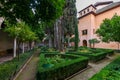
[[70, 21], [66, 26], [48, 11], [26, 34], [110, 30], [76, 26], [16, 9]]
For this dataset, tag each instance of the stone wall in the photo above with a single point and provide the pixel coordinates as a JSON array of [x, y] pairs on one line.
[[6, 42]]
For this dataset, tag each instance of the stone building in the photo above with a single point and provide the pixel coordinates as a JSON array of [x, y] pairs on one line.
[[6, 42]]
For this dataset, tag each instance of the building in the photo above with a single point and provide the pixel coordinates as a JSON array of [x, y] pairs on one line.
[[6, 42], [90, 19]]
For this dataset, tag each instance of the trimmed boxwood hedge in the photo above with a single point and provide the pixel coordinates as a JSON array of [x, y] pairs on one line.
[[94, 54], [9, 68], [95, 57], [107, 51], [61, 70], [110, 72], [92, 57], [43, 52]]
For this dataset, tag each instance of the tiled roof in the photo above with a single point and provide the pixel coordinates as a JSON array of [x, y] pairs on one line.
[[102, 3], [108, 7]]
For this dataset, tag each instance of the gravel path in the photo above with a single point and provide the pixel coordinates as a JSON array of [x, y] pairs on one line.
[[95, 67], [29, 72]]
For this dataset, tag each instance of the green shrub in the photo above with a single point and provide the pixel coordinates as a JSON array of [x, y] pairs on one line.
[[44, 52], [60, 70], [8, 69], [110, 72], [94, 57], [47, 49], [110, 52], [107, 51], [94, 54]]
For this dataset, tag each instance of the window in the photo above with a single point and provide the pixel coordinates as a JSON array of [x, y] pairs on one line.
[[88, 10], [81, 13], [84, 12], [84, 32]]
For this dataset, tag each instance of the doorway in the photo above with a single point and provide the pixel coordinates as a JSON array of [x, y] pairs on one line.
[[84, 43]]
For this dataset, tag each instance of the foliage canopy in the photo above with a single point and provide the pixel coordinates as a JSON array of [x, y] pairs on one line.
[[110, 29]]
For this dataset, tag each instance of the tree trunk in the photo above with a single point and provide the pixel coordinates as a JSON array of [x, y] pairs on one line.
[[69, 42], [18, 45], [30, 45], [50, 40], [93, 45], [76, 36], [15, 43], [58, 35], [23, 47], [118, 46], [19, 49], [90, 45]]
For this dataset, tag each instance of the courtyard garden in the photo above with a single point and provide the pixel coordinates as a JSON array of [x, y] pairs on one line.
[[45, 43], [54, 65]]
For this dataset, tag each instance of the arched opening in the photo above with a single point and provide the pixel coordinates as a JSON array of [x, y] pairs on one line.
[[84, 43], [3, 25]]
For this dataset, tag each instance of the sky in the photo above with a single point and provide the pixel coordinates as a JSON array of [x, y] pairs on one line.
[[81, 4]]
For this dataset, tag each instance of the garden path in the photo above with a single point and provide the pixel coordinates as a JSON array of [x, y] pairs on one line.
[[95, 67], [29, 72]]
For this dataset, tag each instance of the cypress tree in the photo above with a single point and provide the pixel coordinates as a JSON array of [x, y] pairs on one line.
[[70, 20]]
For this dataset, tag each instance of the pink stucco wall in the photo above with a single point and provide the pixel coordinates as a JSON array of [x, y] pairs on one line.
[[92, 22]]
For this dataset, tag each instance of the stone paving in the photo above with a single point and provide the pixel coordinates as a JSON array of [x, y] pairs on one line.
[[29, 72], [6, 58], [95, 67]]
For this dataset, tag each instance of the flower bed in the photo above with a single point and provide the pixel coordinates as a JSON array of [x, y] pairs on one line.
[[9, 69], [110, 72], [60, 66]]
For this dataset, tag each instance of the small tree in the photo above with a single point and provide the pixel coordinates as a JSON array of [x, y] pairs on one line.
[[21, 32], [31, 37], [14, 32], [110, 30], [25, 34], [93, 42]]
